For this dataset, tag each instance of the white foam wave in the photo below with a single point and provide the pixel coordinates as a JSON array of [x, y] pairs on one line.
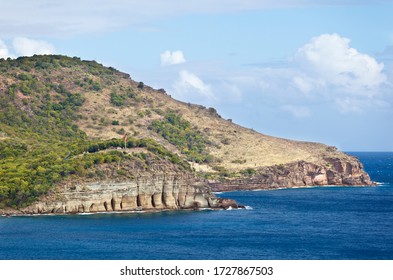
[[230, 208]]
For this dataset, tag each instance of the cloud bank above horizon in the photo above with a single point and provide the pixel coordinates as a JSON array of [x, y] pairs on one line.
[[326, 70], [71, 17]]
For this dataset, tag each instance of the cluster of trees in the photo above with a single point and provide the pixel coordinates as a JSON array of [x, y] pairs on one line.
[[89, 84], [179, 132], [24, 179], [147, 143], [42, 112], [124, 98], [51, 62]]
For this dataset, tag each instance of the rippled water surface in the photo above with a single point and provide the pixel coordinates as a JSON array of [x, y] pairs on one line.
[[312, 223]]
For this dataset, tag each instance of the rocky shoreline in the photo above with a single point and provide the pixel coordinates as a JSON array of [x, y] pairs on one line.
[[224, 204], [334, 172], [169, 190], [148, 193]]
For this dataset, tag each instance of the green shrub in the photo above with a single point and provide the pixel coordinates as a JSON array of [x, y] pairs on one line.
[[248, 172], [141, 85], [117, 100], [179, 132], [239, 161]]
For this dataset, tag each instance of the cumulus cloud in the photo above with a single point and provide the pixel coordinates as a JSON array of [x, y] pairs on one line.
[[326, 71], [190, 84], [171, 58], [304, 84], [330, 60], [329, 68], [29, 47], [3, 50]]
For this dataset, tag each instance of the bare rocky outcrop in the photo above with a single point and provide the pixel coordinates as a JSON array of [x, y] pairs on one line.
[[147, 192], [346, 171]]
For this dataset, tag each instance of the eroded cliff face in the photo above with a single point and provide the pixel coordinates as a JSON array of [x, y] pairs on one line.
[[331, 171], [166, 188], [145, 192]]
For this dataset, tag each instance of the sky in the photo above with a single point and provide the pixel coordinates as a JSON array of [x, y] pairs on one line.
[[311, 70]]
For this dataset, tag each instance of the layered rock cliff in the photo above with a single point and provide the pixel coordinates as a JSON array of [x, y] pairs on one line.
[[146, 192], [334, 171], [159, 187]]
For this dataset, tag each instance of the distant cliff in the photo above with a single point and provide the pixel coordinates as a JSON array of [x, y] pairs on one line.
[[335, 171]]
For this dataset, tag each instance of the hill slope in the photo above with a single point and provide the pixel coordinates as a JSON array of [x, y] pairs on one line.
[[62, 121]]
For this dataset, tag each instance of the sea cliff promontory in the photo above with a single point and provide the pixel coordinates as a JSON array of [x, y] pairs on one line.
[[76, 136], [336, 172]]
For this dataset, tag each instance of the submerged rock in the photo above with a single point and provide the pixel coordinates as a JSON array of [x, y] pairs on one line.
[[226, 203]]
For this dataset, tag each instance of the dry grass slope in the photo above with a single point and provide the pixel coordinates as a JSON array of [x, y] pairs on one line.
[[233, 147]]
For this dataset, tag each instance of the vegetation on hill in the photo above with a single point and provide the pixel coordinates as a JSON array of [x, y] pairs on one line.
[[41, 144], [179, 132]]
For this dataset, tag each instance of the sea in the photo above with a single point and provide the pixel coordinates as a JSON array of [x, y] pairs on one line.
[[317, 223]]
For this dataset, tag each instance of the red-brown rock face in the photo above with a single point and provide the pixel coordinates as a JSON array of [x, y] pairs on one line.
[[334, 171]]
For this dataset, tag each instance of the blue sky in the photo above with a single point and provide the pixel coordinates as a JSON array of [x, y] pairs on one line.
[[308, 70]]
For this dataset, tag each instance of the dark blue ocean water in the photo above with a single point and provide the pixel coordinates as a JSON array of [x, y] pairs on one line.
[[312, 223]]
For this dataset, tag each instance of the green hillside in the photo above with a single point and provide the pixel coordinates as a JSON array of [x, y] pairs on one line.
[[40, 142]]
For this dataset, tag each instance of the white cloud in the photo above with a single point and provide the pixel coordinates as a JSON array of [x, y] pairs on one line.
[[3, 50], [29, 47], [330, 61], [326, 73], [70, 17], [189, 85], [304, 84], [171, 58], [351, 105], [298, 112]]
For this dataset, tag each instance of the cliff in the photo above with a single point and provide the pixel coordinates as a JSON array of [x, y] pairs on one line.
[[158, 188], [336, 171], [148, 192]]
